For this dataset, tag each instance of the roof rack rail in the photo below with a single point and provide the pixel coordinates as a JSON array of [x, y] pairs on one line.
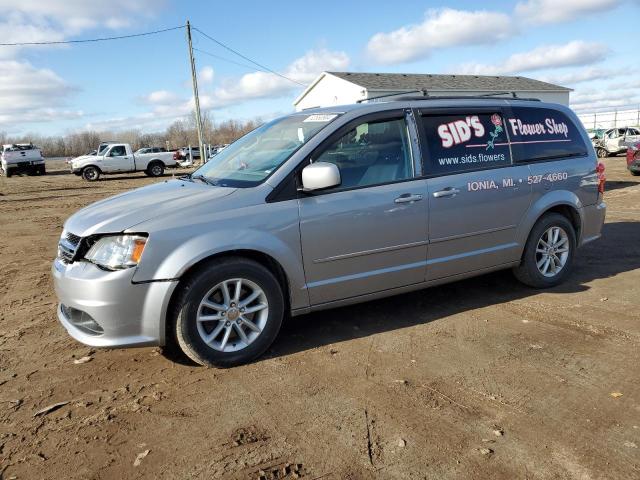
[[426, 96], [466, 97]]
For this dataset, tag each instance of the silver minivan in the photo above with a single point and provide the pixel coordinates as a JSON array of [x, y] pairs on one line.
[[329, 207]]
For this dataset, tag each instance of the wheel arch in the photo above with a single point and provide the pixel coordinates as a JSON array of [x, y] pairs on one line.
[[257, 256], [91, 165], [560, 201]]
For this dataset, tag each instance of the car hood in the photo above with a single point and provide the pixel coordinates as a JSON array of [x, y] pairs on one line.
[[124, 211], [82, 157]]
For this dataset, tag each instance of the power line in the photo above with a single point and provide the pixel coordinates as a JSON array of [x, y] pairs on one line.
[[228, 60], [247, 58], [89, 40]]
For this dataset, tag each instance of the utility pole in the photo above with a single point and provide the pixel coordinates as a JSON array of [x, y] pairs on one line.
[[196, 99]]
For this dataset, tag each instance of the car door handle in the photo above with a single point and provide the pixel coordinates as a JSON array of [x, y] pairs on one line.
[[447, 192], [408, 198]]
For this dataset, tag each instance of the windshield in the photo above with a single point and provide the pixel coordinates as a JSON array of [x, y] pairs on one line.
[[251, 159]]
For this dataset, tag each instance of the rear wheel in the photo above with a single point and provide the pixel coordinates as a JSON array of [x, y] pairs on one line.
[[548, 253], [229, 313], [635, 173], [602, 153], [8, 172], [155, 169], [90, 174]]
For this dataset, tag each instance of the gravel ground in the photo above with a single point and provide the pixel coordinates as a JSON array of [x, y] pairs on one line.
[[482, 378]]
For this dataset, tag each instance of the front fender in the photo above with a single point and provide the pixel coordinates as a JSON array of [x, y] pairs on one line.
[[553, 198], [171, 253]]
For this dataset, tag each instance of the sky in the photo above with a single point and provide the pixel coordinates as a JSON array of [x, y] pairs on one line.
[[145, 82]]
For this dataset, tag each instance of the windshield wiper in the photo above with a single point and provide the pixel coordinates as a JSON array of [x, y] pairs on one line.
[[203, 179]]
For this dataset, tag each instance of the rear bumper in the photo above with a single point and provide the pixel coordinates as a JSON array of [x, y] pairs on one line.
[[105, 309], [23, 166], [593, 217], [634, 166]]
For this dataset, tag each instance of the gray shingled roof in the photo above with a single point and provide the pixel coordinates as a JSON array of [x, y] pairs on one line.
[[420, 81]]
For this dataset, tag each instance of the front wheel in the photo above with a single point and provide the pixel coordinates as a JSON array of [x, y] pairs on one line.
[[229, 313], [90, 174], [602, 153], [548, 253]]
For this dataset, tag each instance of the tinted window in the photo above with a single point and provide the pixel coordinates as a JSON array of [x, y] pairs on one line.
[[371, 153], [465, 142], [117, 151], [540, 133]]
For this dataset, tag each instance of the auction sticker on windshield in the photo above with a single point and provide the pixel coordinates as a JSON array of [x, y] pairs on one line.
[[320, 118]]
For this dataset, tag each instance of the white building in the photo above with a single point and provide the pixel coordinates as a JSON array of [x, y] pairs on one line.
[[339, 88]]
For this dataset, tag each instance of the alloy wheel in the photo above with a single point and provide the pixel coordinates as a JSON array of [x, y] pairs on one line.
[[232, 315], [552, 251]]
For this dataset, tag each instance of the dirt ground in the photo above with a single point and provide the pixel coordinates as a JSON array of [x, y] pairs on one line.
[[478, 379]]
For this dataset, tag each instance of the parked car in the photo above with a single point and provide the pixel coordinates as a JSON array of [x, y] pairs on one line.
[[183, 153], [615, 141], [22, 158], [633, 159], [119, 158], [140, 151], [216, 149], [330, 207]]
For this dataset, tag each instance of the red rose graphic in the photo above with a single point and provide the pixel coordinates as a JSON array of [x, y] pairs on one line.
[[496, 120]]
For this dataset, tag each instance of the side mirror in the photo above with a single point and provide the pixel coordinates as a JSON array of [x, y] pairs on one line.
[[320, 175]]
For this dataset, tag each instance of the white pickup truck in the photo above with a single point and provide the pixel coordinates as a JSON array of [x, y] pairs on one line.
[[119, 158], [21, 157]]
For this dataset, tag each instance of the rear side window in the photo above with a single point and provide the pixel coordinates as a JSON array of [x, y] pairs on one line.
[[538, 134], [464, 142]]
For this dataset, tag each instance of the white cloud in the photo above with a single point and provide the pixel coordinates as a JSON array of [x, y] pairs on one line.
[[30, 94], [74, 16], [571, 54], [161, 97], [206, 74], [604, 97], [539, 12], [168, 106], [441, 28], [263, 84], [586, 75]]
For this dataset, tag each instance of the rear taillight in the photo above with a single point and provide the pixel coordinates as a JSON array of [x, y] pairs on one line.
[[601, 177]]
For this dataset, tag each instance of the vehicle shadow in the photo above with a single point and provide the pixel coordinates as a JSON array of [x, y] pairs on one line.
[[618, 184], [424, 306], [431, 304], [139, 176]]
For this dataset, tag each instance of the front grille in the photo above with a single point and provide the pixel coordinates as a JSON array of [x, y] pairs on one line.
[[74, 239], [68, 246]]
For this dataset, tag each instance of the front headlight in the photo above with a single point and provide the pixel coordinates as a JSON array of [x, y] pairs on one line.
[[116, 252]]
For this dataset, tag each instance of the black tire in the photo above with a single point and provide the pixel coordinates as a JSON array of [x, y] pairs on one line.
[[91, 173], [8, 172], [194, 290], [155, 169], [635, 173], [42, 170], [527, 272], [602, 153]]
